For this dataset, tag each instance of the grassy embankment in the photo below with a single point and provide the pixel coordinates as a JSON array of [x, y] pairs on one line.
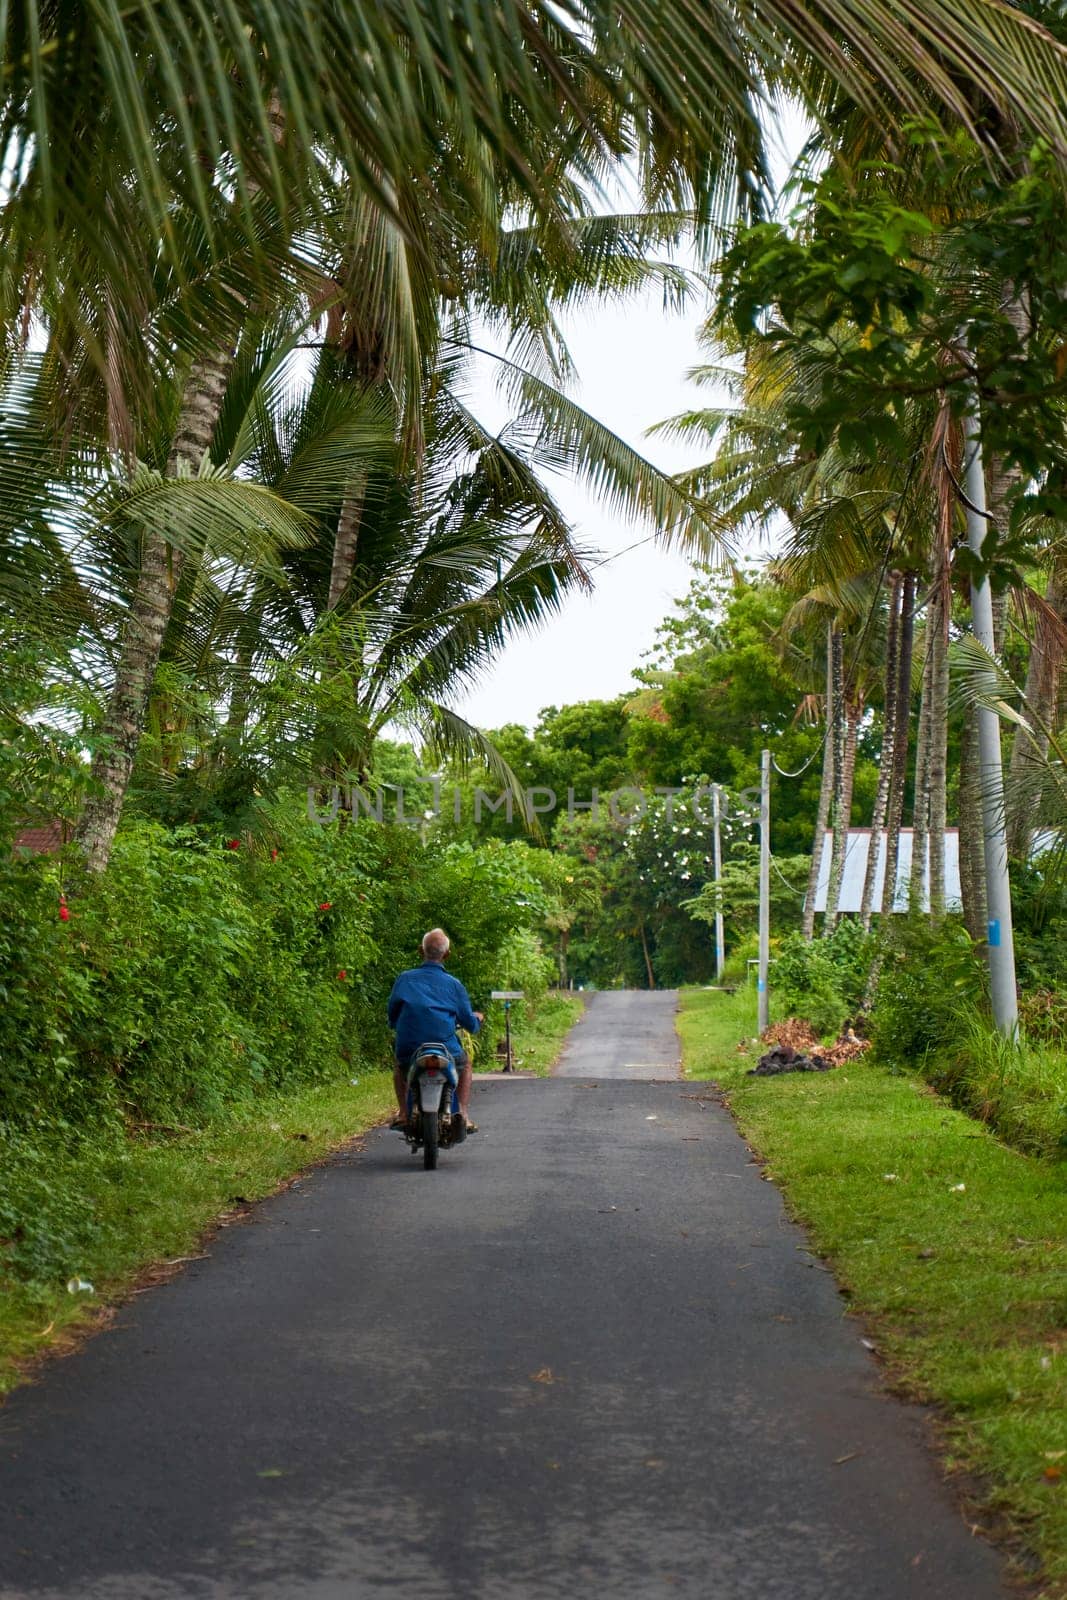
[[154, 1198], [953, 1245], [536, 1038]]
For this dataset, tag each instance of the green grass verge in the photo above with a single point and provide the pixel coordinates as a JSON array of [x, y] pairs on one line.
[[966, 1288], [152, 1199], [538, 1039]]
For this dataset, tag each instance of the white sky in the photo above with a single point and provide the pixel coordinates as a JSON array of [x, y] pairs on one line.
[[631, 361]]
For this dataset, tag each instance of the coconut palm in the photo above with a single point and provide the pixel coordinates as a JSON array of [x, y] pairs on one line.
[[452, 556], [385, 304], [456, 549], [169, 106], [127, 133], [839, 520]]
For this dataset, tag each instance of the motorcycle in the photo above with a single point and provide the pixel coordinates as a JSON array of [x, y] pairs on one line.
[[434, 1119]]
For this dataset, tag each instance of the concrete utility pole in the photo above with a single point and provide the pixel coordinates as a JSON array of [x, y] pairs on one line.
[[998, 888], [720, 948], [764, 889]]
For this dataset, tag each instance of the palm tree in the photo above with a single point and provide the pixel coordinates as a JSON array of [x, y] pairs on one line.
[[384, 310], [841, 517], [826, 789], [130, 133], [151, 108], [1047, 630], [456, 549]]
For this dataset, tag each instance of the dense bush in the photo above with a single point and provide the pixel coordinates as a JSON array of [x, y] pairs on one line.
[[1039, 914], [202, 970], [929, 976], [823, 980], [931, 1014]]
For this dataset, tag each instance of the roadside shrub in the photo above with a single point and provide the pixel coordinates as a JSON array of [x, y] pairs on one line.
[[201, 971], [43, 989], [736, 967], [823, 980], [1039, 915], [1018, 1086], [1043, 1016], [928, 976]]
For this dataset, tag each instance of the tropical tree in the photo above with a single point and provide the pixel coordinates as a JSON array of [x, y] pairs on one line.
[[182, 178], [158, 108]]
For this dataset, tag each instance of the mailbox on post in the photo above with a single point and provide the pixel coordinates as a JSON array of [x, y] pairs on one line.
[[507, 995]]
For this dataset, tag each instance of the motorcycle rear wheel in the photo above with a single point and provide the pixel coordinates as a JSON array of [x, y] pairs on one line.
[[429, 1140]]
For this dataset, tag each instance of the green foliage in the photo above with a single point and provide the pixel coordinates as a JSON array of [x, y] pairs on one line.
[[42, 775], [870, 296], [204, 972], [928, 975], [721, 687], [822, 980], [930, 1013], [738, 892], [1039, 914]]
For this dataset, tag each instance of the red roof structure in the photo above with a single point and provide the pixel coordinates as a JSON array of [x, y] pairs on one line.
[[42, 839]]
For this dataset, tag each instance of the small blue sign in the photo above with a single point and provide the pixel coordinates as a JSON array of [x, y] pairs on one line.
[[994, 932], [761, 984]]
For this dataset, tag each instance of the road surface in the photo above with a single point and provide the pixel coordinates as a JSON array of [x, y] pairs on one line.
[[627, 1033], [588, 1357]]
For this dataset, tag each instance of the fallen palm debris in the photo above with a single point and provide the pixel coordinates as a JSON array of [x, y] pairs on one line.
[[795, 1047]]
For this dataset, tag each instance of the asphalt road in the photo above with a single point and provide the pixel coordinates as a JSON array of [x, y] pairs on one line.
[[627, 1033], [587, 1357]]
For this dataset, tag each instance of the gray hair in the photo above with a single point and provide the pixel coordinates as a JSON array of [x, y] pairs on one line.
[[435, 944]]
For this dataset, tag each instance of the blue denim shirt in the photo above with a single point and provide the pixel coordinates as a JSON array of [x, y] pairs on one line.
[[426, 1006]]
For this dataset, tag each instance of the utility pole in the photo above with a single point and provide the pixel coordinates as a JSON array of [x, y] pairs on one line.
[[998, 888], [720, 949], [764, 889]]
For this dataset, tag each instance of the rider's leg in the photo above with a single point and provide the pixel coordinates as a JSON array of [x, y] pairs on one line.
[[400, 1087], [463, 1088]]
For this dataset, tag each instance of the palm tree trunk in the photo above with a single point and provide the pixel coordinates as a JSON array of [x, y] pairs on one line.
[[840, 804], [854, 715], [150, 610], [972, 838], [825, 795], [920, 816], [1000, 482], [901, 731], [345, 545], [881, 795], [938, 734]]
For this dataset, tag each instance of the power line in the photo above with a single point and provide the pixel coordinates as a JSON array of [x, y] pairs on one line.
[[800, 893]]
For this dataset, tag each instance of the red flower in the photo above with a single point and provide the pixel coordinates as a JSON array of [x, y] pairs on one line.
[[233, 844], [325, 905], [342, 975], [274, 855], [64, 914]]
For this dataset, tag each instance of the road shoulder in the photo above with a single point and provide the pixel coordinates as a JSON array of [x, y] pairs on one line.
[[952, 1247]]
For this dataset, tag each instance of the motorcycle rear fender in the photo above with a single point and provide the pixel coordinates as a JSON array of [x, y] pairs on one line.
[[440, 1059], [431, 1090]]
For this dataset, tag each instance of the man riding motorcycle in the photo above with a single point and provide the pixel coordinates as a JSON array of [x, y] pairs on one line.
[[426, 1006]]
